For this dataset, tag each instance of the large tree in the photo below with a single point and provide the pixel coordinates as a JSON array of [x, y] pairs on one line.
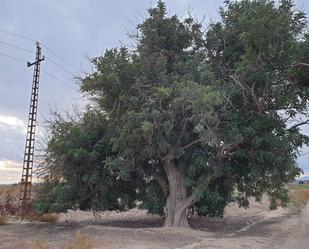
[[203, 119]]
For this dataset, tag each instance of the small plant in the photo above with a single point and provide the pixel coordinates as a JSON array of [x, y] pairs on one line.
[[39, 245], [3, 220], [81, 241], [49, 217]]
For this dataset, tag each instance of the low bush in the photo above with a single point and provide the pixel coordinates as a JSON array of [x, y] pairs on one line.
[[9, 200], [49, 217], [3, 220]]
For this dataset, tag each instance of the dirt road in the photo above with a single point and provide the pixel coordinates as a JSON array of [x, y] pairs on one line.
[[297, 232], [254, 228], [276, 232]]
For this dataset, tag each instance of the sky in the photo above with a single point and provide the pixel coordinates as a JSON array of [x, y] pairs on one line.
[[70, 31]]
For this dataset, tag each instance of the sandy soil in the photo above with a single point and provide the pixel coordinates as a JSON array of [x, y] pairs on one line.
[[254, 228]]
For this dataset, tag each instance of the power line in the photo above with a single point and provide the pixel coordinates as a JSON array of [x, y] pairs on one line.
[[12, 57], [17, 35], [47, 48], [60, 66], [14, 46], [61, 58], [48, 73], [29, 51], [56, 78]]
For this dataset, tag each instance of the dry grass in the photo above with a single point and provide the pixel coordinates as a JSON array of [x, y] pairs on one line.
[[299, 197], [3, 220], [9, 202], [39, 245], [9, 199], [9, 190], [50, 218], [81, 241]]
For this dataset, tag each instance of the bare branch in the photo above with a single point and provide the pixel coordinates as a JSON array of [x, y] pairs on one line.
[[302, 64], [190, 144]]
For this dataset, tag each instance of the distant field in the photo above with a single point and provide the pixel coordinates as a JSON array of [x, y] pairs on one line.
[[298, 192], [298, 186], [11, 191], [299, 196]]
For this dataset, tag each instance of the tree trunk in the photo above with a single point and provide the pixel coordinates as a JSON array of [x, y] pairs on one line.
[[177, 202]]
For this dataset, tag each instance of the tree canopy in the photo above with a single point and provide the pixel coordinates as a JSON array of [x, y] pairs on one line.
[[191, 120]]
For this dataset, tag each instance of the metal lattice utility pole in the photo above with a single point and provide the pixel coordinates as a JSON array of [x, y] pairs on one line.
[[26, 179]]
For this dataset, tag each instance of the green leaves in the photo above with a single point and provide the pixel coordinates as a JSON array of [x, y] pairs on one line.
[[147, 127], [82, 169], [165, 91], [217, 102]]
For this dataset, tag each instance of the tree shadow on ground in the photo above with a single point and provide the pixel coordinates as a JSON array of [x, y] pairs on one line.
[[231, 226], [222, 226], [132, 222]]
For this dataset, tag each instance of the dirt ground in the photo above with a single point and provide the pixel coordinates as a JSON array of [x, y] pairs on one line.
[[254, 228]]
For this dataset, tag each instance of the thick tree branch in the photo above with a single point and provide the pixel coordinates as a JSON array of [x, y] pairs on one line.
[[302, 64], [299, 124], [168, 157]]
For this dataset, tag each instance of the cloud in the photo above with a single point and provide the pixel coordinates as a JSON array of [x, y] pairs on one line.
[[12, 136], [10, 171], [10, 165], [12, 123]]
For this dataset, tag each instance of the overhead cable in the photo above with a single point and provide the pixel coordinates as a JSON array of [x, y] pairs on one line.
[[43, 45], [17, 47], [12, 57]]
